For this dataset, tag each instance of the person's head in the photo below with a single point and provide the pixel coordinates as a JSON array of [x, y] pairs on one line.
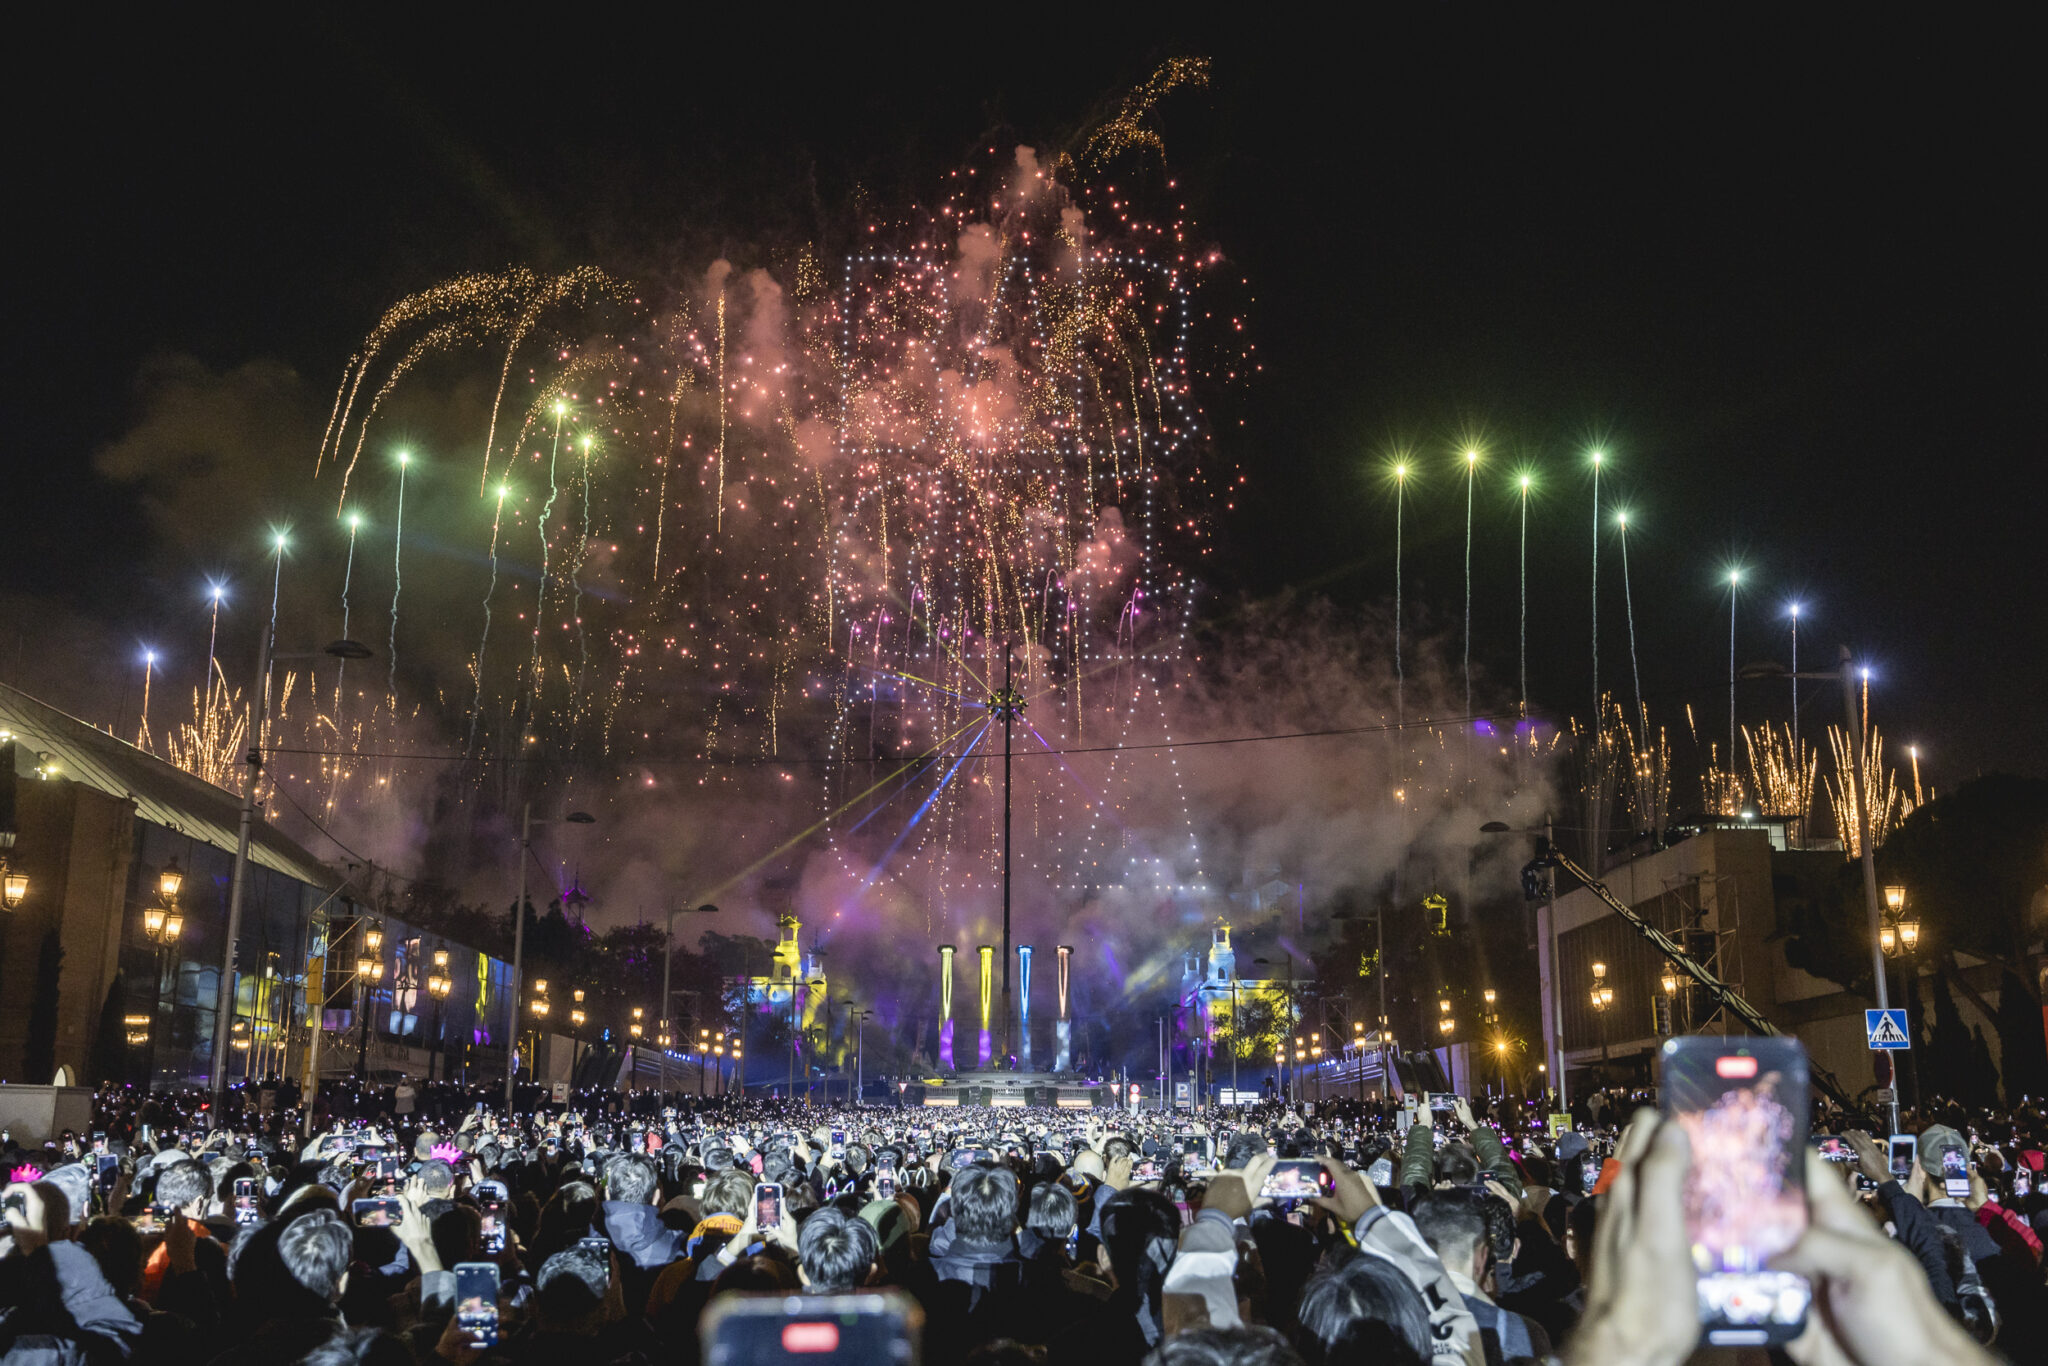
[[1935, 1140], [1454, 1225], [632, 1180], [569, 1292], [457, 1232], [757, 1273], [359, 1347], [1224, 1347], [76, 1182], [1244, 1146], [729, 1192], [1052, 1211], [835, 1251], [1365, 1311], [116, 1245], [315, 1249], [423, 1146], [437, 1178], [984, 1204], [185, 1186], [1088, 1163], [1578, 1234], [1140, 1232], [1457, 1164]]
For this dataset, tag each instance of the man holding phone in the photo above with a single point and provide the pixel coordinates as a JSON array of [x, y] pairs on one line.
[[2009, 1272]]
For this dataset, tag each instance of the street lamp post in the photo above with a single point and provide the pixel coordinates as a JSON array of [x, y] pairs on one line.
[[1900, 938], [1845, 675], [668, 953], [526, 824], [162, 924], [439, 984], [1554, 1015], [369, 971], [860, 1020], [1602, 996], [259, 721]]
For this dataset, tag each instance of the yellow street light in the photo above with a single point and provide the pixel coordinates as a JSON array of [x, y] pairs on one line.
[[169, 881], [1894, 898]]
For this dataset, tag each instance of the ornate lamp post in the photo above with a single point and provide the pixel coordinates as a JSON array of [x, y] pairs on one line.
[[162, 924], [439, 985], [369, 972]]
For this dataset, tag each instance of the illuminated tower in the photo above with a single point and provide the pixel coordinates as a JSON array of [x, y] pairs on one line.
[[788, 956], [1063, 1028], [1024, 1005], [946, 1006], [988, 965]]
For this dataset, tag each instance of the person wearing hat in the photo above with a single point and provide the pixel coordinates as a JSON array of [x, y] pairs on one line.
[[2010, 1276]]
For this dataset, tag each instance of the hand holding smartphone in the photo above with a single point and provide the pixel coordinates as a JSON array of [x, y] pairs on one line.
[[1743, 1104], [768, 1206], [476, 1302]]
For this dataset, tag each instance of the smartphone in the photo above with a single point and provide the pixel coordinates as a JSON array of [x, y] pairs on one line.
[[1744, 1104], [1833, 1148], [99, 1142], [2022, 1183], [379, 1211], [1904, 1148], [476, 1302], [156, 1218], [245, 1200], [838, 1140], [1145, 1169], [885, 1183], [823, 1330], [1294, 1178], [1955, 1173], [598, 1243], [967, 1157], [490, 1203], [768, 1205], [1443, 1103], [389, 1174], [107, 1167]]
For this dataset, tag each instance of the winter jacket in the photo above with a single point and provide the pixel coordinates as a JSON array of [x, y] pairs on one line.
[[1453, 1330], [57, 1308], [1514, 1336], [637, 1232]]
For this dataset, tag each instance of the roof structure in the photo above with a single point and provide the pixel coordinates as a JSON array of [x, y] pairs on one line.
[[162, 792]]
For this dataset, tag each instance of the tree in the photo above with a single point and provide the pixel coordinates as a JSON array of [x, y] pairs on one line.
[[1975, 868]]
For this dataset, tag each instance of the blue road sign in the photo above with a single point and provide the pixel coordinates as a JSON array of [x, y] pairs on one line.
[[1887, 1029]]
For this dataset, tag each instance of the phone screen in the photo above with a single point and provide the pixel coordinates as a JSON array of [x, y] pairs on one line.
[[821, 1330], [245, 1200], [2022, 1183], [1293, 1178], [1904, 1147], [1955, 1173], [108, 1168], [1743, 1103], [768, 1205], [377, 1212], [476, 1302], [885, 1184], [492, 1224]]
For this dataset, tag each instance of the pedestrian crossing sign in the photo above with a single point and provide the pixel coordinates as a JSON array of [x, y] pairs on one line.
[[1887, 1029]]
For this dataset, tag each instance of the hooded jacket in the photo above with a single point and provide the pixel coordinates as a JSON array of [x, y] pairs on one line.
[[636, 1231]]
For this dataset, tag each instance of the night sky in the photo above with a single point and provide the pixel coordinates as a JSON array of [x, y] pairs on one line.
[[1788, 282]]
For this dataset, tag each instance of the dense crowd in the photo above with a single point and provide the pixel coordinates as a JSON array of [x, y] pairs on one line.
[[679, 1229]]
